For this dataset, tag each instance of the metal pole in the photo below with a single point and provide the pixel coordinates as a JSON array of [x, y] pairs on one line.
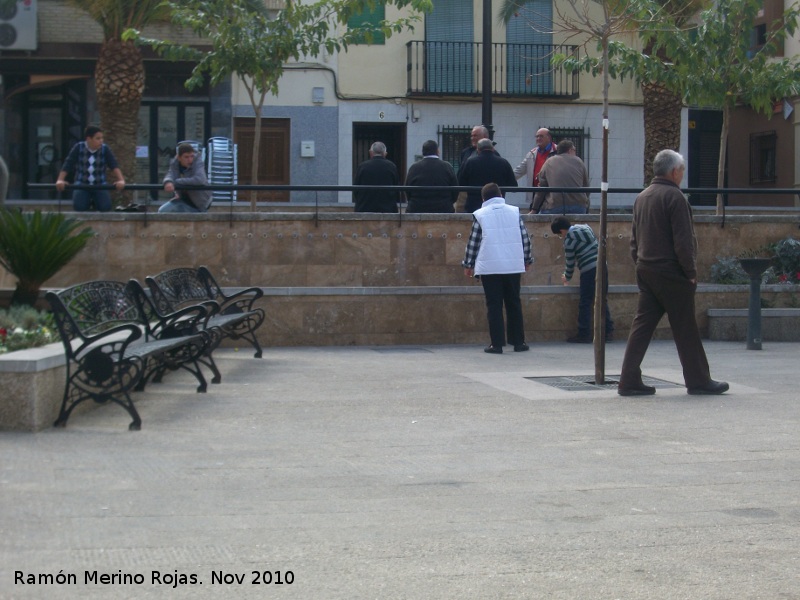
[[754, 314], [486, 69], [600, 274]]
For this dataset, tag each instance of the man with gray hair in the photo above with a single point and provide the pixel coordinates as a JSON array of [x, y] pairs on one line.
[[479, 132], [378, 170], [664, 249]]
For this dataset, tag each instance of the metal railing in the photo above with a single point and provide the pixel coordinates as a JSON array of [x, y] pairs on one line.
[[150, 206], [518, 70]]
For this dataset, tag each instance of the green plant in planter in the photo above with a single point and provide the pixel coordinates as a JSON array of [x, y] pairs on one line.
[[35, 246], [728, 270], [24, 327]]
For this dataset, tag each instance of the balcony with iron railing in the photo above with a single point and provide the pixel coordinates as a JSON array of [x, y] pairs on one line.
[[518, 70]]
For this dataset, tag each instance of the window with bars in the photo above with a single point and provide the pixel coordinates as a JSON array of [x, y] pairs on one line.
[[763, 151], [577, 136], [452, 140]]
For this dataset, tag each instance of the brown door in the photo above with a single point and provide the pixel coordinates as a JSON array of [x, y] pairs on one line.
[[273, 156]]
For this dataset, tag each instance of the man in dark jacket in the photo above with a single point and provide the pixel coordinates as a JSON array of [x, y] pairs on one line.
[[664, 248], [477, 133], [486, 167], [378, 170], [431, 170]]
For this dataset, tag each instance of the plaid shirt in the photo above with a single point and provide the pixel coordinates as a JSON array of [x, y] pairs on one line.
[[474, 244]]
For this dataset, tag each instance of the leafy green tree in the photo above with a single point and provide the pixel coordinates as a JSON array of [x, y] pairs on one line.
[[661, 106], [599, 22], [712, 63], [36, 246], [255, 47], [119, 72]]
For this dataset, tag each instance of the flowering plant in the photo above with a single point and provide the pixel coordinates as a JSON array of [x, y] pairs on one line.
[[24, 327], [787, 258], [785, 255]]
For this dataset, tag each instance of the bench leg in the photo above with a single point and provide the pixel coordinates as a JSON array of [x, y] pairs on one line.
[[194, 368], [208, 361], [82, 386], [250, 337]]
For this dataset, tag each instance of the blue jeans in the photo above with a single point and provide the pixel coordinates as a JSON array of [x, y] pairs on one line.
[[586, 303], [82, 200]]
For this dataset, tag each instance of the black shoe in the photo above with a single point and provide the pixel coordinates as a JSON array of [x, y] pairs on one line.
[[709, 389], [523, 347], [638, 390], [493, 350], [580, 339]]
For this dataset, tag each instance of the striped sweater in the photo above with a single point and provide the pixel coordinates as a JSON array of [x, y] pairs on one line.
[[579, 244]]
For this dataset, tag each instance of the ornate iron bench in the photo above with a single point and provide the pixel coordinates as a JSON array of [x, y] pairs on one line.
[[233, 315], [114, 346]]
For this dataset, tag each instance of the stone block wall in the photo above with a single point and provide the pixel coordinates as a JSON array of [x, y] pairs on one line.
[[340, 279], [349, 250]]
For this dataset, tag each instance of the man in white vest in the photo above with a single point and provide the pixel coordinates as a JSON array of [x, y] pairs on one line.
[[498, 252]]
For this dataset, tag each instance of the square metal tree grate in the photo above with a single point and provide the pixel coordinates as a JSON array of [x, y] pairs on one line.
[[585, 383]]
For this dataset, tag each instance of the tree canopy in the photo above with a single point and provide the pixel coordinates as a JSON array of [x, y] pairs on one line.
[[255, 45]]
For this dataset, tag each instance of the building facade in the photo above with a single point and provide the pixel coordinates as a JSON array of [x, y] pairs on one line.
[[414, 86]]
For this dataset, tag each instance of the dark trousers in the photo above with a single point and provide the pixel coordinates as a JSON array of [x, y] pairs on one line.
[[660, 292], [504, 290], [586, 303]]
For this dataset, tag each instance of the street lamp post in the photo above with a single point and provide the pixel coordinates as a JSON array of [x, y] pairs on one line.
[[486, 69]]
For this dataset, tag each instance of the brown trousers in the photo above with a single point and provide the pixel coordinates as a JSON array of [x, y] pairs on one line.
[[672, 293]]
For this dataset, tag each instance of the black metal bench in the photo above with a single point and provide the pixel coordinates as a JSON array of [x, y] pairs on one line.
[[234, 315], [112, 346]]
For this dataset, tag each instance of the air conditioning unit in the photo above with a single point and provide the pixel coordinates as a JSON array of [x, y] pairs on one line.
[[18, 25]]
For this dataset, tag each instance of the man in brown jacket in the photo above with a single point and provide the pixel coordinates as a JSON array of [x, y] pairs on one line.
[[664, 248], [563, 170]]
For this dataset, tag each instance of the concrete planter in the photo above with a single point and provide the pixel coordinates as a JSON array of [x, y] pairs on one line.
[[33, 386], [777, 324]]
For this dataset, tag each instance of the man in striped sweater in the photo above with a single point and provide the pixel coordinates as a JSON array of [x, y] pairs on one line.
[[580, 244]]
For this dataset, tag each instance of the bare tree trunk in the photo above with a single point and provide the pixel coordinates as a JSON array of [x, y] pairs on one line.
[[723, 147], [600, 273], [257, 110], [254, 164]]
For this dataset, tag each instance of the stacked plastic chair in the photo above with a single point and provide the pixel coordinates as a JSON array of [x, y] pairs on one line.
[[222, 168]]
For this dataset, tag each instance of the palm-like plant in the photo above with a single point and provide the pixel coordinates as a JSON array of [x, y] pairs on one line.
[[119, 73], [35, 246]]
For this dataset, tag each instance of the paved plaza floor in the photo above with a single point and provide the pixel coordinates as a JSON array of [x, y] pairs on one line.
[[429, 472]]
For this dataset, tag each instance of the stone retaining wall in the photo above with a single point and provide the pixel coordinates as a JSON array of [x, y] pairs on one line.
[[354, 250]]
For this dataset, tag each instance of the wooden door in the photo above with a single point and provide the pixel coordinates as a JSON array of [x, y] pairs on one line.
[[273, 156]]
